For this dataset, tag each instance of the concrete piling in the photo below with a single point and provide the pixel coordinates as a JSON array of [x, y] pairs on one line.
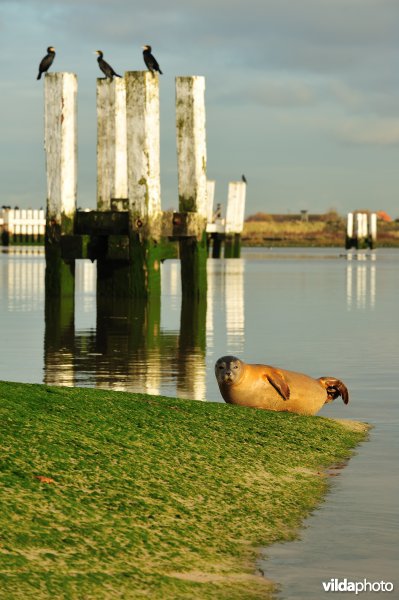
[[139, 274], [234, 218], [142, 117], [192, 182], [60, 93], [361, 230], [111, 144]]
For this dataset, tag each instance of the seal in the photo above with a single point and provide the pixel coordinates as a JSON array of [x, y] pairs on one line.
[[271, 388]]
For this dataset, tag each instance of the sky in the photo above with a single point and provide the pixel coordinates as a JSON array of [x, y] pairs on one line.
[[301, 95]]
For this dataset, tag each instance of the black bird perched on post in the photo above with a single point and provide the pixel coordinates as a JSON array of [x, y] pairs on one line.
[[244, 179], [47, 61], [105, 67], [150, 61]]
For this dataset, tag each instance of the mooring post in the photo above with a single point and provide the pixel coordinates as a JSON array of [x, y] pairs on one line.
[[192, 183], [361, 230], [139, 274], [234, 218], [372, 225], [60, 94], [144, 186], [111, 144], [210, 196], [349, 240]]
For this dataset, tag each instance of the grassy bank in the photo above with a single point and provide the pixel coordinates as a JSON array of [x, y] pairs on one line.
[[146, 496], [326, 232]]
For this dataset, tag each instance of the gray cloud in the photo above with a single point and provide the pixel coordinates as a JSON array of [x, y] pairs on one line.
[[377, 132], [297, 85]]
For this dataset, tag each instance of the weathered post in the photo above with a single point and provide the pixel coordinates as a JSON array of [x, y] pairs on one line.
[[210, 196], [372, 230], [144, 187], [142, 113], [192, 183], [213, 218], [138, 274], [234, 218], [349, 241], [361, 230], [111, 144], [60, 92]]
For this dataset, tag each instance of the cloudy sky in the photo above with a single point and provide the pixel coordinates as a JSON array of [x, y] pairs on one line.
[[301, 95]]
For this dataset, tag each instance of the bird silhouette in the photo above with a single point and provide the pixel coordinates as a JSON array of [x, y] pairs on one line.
[[105, 67], [47, 61], [150, 61]]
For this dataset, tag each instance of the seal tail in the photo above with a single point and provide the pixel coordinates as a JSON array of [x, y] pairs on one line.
[[334, 387]]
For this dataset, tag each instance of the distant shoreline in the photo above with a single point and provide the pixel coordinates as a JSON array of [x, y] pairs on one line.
[[318, 231]]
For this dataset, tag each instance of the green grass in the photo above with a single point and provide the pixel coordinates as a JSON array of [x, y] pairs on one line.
[[151, 497]]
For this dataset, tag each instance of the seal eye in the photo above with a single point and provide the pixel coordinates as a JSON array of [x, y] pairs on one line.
[[236, 366]]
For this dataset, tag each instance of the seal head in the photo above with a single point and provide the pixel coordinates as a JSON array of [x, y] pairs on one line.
[[228, 370]]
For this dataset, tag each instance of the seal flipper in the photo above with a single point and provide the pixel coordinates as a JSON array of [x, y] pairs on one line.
[[276, 379], [335, 387]]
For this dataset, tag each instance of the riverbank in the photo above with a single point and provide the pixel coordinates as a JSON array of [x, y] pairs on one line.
[[117, 495], [328, 231]]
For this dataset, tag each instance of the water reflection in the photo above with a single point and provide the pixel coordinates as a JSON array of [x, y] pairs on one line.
[[226, 292], [127, 348], [234, 305], [361, 280], [23, 281]]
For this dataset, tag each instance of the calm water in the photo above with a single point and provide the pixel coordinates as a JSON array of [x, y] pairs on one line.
[[315, 310]]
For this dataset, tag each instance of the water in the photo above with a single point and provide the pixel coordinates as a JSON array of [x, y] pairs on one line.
[[314, 310]]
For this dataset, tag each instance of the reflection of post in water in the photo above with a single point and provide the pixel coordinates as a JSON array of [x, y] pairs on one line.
[[360, 280], [128, 346], [127, 350], [226, 281], [234, 303], [192, 345], [59, 340]]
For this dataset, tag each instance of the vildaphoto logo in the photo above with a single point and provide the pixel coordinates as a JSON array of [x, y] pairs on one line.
[[344, 585]]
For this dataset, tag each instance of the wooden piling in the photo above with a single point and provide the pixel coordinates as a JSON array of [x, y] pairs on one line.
[[142, 115], [139, 274], [349, 240], [234, 218], [192, 182], [210, 196], [60, 93], [111, 144], [361, 230], [372, 230]]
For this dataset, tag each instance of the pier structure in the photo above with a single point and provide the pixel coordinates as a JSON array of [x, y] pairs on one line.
[[129, 234], [227, 231], [361, 230], [22, 226]]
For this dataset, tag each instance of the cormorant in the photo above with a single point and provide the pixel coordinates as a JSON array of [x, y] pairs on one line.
[[47, 61], [105, 67], [150, 60], [244, 179]]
